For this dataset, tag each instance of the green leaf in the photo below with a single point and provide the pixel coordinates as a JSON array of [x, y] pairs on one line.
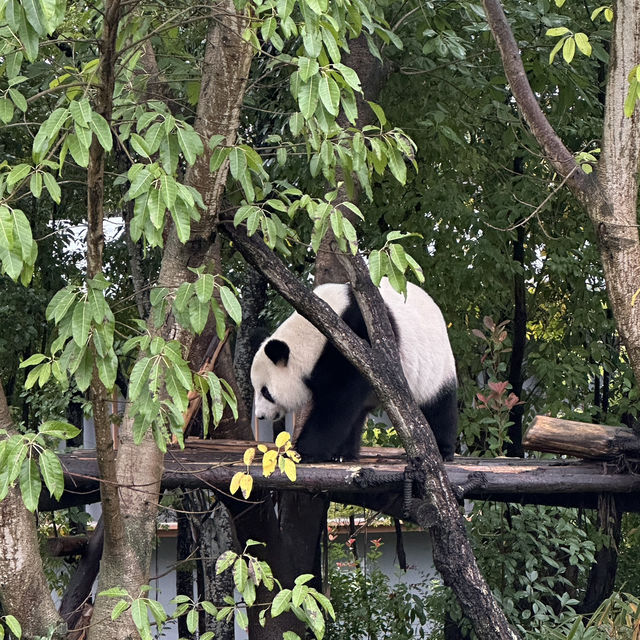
[[58, 429], [397, 165], [17, 174], [6, 228], [192, 620], [6, 110], [308, 97], [169, 154], [307, 68], [155, 208], [237, 162], [329, 94], [225, 560], [52, 187], [557, 31], [35, 184], [32, 13], [190, 144], [108, 369], [52, 473], [240, 574], [168, 190], [398, 257], [204, 287], [81, 323], [140, 617], [569, 50], [280, 602], [218, 156], [14, 626], [182, 219], [349, 75], [114, 592], [61, 303], [377, 109], [18, 99], [630, 101], [22, 233], [139, 378], [198, 315], [84, 370], [157, 611], [138, 144], [100, 127], [36, 358], [119, 609], [231, 304], [242, 618], [30, 485], [154, 136], [78, 151], [582, 41]]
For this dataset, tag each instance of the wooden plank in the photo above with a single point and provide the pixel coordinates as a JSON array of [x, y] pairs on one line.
[[379, 471], [581, 439]]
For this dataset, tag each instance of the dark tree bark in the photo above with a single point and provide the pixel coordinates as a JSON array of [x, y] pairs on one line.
[[602, 576], [435, 506], [251, 332], [519, 333], [78, 591]]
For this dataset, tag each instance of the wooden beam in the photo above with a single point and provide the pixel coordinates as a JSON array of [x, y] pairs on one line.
[[378, 473], [581, 439]]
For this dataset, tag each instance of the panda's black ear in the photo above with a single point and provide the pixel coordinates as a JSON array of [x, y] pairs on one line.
[[278, 352]]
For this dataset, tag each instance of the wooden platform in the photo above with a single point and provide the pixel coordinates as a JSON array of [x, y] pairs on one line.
[[377, 474]]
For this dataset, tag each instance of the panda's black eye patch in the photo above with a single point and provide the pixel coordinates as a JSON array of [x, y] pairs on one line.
[[267, 396]]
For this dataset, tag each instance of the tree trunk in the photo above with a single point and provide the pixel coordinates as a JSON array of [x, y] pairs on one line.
[[602, 576], [216, 537], [25, 593], [139, 467]]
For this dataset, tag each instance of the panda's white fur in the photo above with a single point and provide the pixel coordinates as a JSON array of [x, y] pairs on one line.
[[286, 382]]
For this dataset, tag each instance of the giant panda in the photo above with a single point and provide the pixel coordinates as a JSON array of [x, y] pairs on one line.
[[297, 368]]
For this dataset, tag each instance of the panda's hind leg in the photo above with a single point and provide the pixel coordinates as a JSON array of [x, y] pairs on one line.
[[442, 415]]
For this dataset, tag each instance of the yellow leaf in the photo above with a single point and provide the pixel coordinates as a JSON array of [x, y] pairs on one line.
[[235, 482], [269, 462], [283, 437], [246, 484], [263, 448], [290, 469], [294, 455], [249, 455]]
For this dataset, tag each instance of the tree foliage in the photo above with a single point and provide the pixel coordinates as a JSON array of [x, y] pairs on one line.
[[451, 177]]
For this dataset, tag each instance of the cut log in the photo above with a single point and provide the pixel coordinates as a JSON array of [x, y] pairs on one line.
[[581, 439]]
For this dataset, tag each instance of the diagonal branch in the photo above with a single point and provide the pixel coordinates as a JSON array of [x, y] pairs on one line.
[[582, 185], [436, 506]]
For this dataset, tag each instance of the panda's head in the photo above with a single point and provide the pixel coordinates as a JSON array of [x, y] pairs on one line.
[[278, 380]]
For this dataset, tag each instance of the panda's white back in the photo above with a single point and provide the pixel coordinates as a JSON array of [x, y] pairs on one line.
[[425, 352]]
